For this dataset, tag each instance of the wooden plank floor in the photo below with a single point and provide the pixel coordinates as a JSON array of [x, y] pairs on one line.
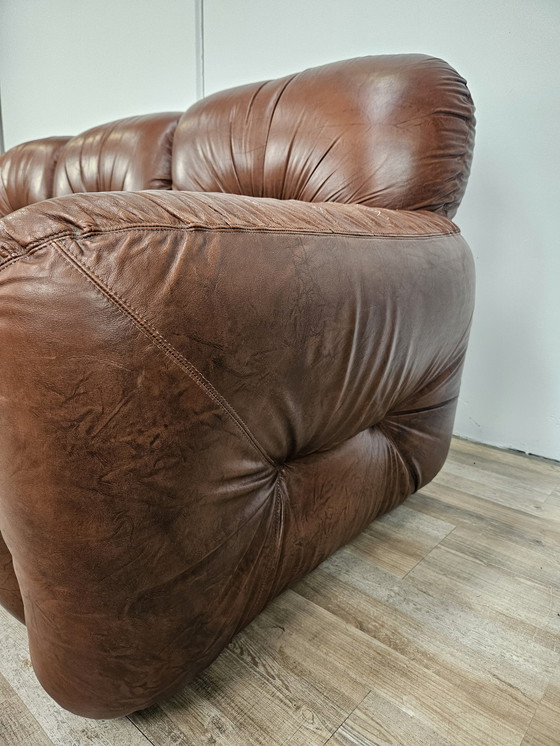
[[438, 626]]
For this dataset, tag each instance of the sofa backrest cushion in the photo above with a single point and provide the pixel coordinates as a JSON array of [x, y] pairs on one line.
[[388, 131], [127, 155], [27, 171]]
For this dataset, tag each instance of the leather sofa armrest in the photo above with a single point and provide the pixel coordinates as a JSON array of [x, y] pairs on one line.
[[201, 397]]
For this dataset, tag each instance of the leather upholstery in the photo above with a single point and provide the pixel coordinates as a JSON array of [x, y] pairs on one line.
[[393, 131], [27, 173], [126, 155], [203, 395]]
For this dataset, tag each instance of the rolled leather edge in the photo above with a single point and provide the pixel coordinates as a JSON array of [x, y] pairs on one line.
[[77, 214]]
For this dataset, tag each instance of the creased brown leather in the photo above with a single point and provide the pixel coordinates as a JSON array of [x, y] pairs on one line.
[[202, 396], [27, 172], [215, 429], [10, 596], [393, 131], [129, 154]]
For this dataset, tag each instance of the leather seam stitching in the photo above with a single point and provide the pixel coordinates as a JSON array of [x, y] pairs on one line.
[[163, 344], [33, 246], [14, 257]]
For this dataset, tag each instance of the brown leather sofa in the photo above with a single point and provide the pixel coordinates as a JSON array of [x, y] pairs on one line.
[[206, 388]]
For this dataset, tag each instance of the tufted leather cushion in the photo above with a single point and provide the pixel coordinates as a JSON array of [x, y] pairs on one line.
[[125, 155], [203, 395], [393, 131], [27, 172], [225, 389]]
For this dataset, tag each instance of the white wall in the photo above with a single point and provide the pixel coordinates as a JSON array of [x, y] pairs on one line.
[[68, 65], [508, 50]]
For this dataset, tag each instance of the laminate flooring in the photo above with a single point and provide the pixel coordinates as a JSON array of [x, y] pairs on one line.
[[438, 626]]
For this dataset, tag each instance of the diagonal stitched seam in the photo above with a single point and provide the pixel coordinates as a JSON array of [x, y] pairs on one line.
[[163, 344]]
